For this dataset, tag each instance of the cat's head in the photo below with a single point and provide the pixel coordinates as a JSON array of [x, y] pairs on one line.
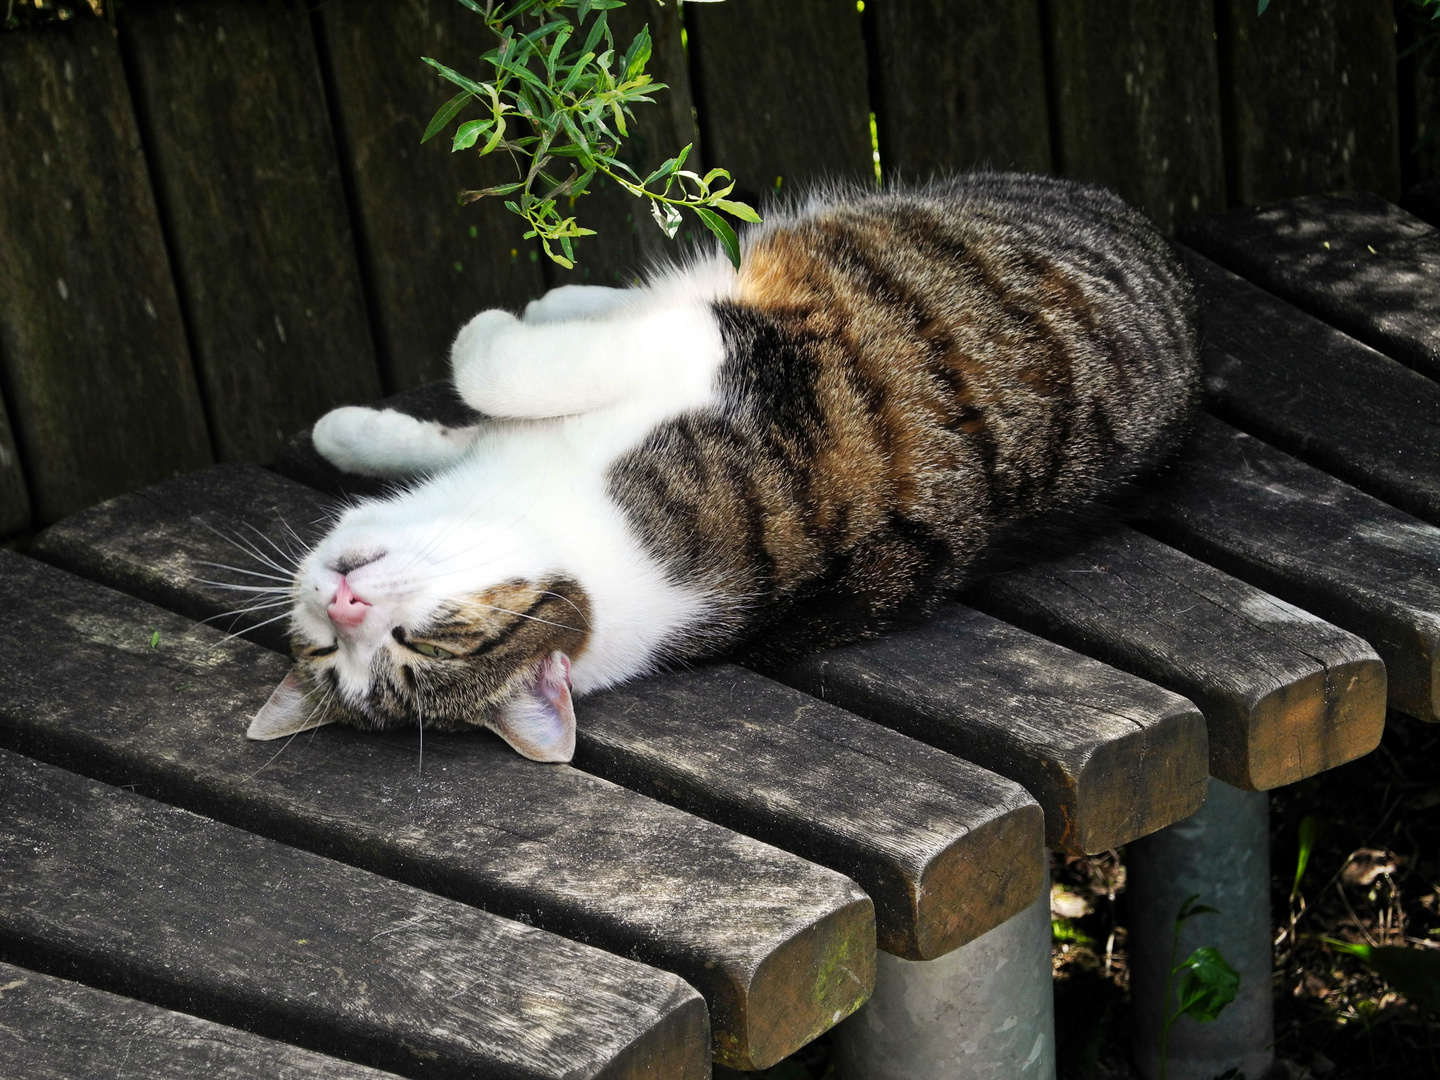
[[439, 623]]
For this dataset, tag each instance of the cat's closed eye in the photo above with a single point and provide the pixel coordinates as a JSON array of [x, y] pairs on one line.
[[426, 649]]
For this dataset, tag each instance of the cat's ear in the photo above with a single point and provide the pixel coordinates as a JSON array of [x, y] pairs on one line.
[[539, 721], [289, 710]]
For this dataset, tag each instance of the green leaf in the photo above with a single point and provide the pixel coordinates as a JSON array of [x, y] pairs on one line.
[[1263, 5], [1189, 908], [155, 640], [1309, 833], [445, 114], [723, 232], [638, 55], [455, 77], [1208, 986], [738, 209], [1413, 972], [600, 29], [474, 6], [467, 134]]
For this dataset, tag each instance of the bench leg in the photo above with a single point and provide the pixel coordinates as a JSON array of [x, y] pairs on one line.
[[983, 1012], [1221, 852]]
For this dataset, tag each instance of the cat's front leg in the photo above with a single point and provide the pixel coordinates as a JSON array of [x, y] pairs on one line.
[[388, 444], [577, 302]]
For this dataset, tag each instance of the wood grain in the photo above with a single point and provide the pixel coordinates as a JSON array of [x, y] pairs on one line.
[[55, 1029], [959, 84], [1310, 98], [150, 901], [14, 497], [430, 263], [463, 816], [781, 92], [945, 849], [1285, 695], [1317, 393], [1108, 756], [1137, 105], [1355, 261], [1316, 542], [97, 373], [230, 97]]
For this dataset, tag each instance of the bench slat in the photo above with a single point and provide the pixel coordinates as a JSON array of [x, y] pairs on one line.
[[1316, 542], [1109, 756], [783, 91], [960, 84], [1356, 261], [55, 1029], [1285, 695], [1282, 375], [426, 271], [151, 901], [262, 252], [97, 372], [946, 849], [1137, 103], [759, 932]]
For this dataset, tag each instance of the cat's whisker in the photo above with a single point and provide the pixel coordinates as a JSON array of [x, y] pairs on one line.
[[323, 703], [249, 549], [562, 596], [242, 570], [257, 626], [277, 548], [234, 586]]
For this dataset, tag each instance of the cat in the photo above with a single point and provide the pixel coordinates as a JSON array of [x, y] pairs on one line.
[[785, 457]]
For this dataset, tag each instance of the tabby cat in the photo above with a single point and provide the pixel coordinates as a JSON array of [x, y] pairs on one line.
[[783, 457]]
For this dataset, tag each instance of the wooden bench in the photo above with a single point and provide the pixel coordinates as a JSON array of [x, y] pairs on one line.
[[753, 835]]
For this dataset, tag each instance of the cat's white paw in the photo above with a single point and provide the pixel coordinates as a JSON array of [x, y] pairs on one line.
[[576, 302], [472, 346], [386, 443]]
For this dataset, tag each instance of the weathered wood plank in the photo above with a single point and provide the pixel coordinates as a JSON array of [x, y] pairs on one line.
[[1137, 104], [959, 84], [234, 112], [628, 237], [945, 849], [1285, 695], [1316, 542], [781, 92], [14, 498], [1108, 756], [1310, 98], [97, 372], [765, 936], [55, 1029], [1356, 261], [1317, 393], [1423, 200], [154, 902], [430, 263]]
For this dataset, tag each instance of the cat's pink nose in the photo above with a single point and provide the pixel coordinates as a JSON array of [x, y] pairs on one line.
[[347, 610]]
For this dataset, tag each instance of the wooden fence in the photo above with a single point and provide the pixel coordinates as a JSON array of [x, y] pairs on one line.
[[217, 219]]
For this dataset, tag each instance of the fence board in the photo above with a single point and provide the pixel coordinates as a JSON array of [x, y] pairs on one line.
[[431, 263], [782, 91], [96, 370], [628, 237], [960, 84], [234, 111], [14, 499], [1310, 98], [1137, 102]]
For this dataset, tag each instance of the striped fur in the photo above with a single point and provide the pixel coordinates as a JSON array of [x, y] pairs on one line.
[[803, 453]]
